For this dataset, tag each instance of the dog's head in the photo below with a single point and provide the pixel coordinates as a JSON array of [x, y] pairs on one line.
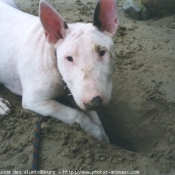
[[85, 52]]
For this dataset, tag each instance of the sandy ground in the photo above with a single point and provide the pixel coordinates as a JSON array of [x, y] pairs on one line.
[[140, 120]]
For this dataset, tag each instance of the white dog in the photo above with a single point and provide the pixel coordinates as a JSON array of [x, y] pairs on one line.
[[36, 53]]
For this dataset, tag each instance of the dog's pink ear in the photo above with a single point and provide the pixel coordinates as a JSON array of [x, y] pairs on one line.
[[53, 24], [105, 16]]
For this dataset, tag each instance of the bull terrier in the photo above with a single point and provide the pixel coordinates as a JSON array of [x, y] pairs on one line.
[[37, 53]]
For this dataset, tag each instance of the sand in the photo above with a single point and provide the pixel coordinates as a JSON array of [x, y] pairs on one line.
[[140, 119]]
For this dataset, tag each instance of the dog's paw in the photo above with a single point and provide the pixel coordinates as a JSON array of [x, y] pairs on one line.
[[104, 135], [91, 128], [95, 119], [4, 107], [99, 133]]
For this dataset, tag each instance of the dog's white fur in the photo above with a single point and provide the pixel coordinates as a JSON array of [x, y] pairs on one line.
[[10, 2], [29, 66]]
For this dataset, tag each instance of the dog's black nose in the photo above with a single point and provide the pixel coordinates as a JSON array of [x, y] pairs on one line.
[[94, 103]]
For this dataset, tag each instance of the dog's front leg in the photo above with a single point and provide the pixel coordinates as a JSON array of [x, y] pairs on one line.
[[49, 107], [95, 118], [4, 107]]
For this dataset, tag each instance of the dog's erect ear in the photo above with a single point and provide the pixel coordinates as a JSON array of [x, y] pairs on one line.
[[105, 16], [53, 24]]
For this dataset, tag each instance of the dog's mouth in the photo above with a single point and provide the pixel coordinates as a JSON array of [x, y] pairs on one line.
[[93, 105]]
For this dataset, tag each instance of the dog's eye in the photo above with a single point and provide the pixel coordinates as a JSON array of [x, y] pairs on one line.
[[102, 52], [69, 58]]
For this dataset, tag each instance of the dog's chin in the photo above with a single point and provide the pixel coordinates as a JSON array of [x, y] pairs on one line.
[[81, 106], [77, 104], [84, 108]]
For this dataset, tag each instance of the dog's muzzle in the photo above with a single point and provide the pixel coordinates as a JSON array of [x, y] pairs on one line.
[[95, 103]]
